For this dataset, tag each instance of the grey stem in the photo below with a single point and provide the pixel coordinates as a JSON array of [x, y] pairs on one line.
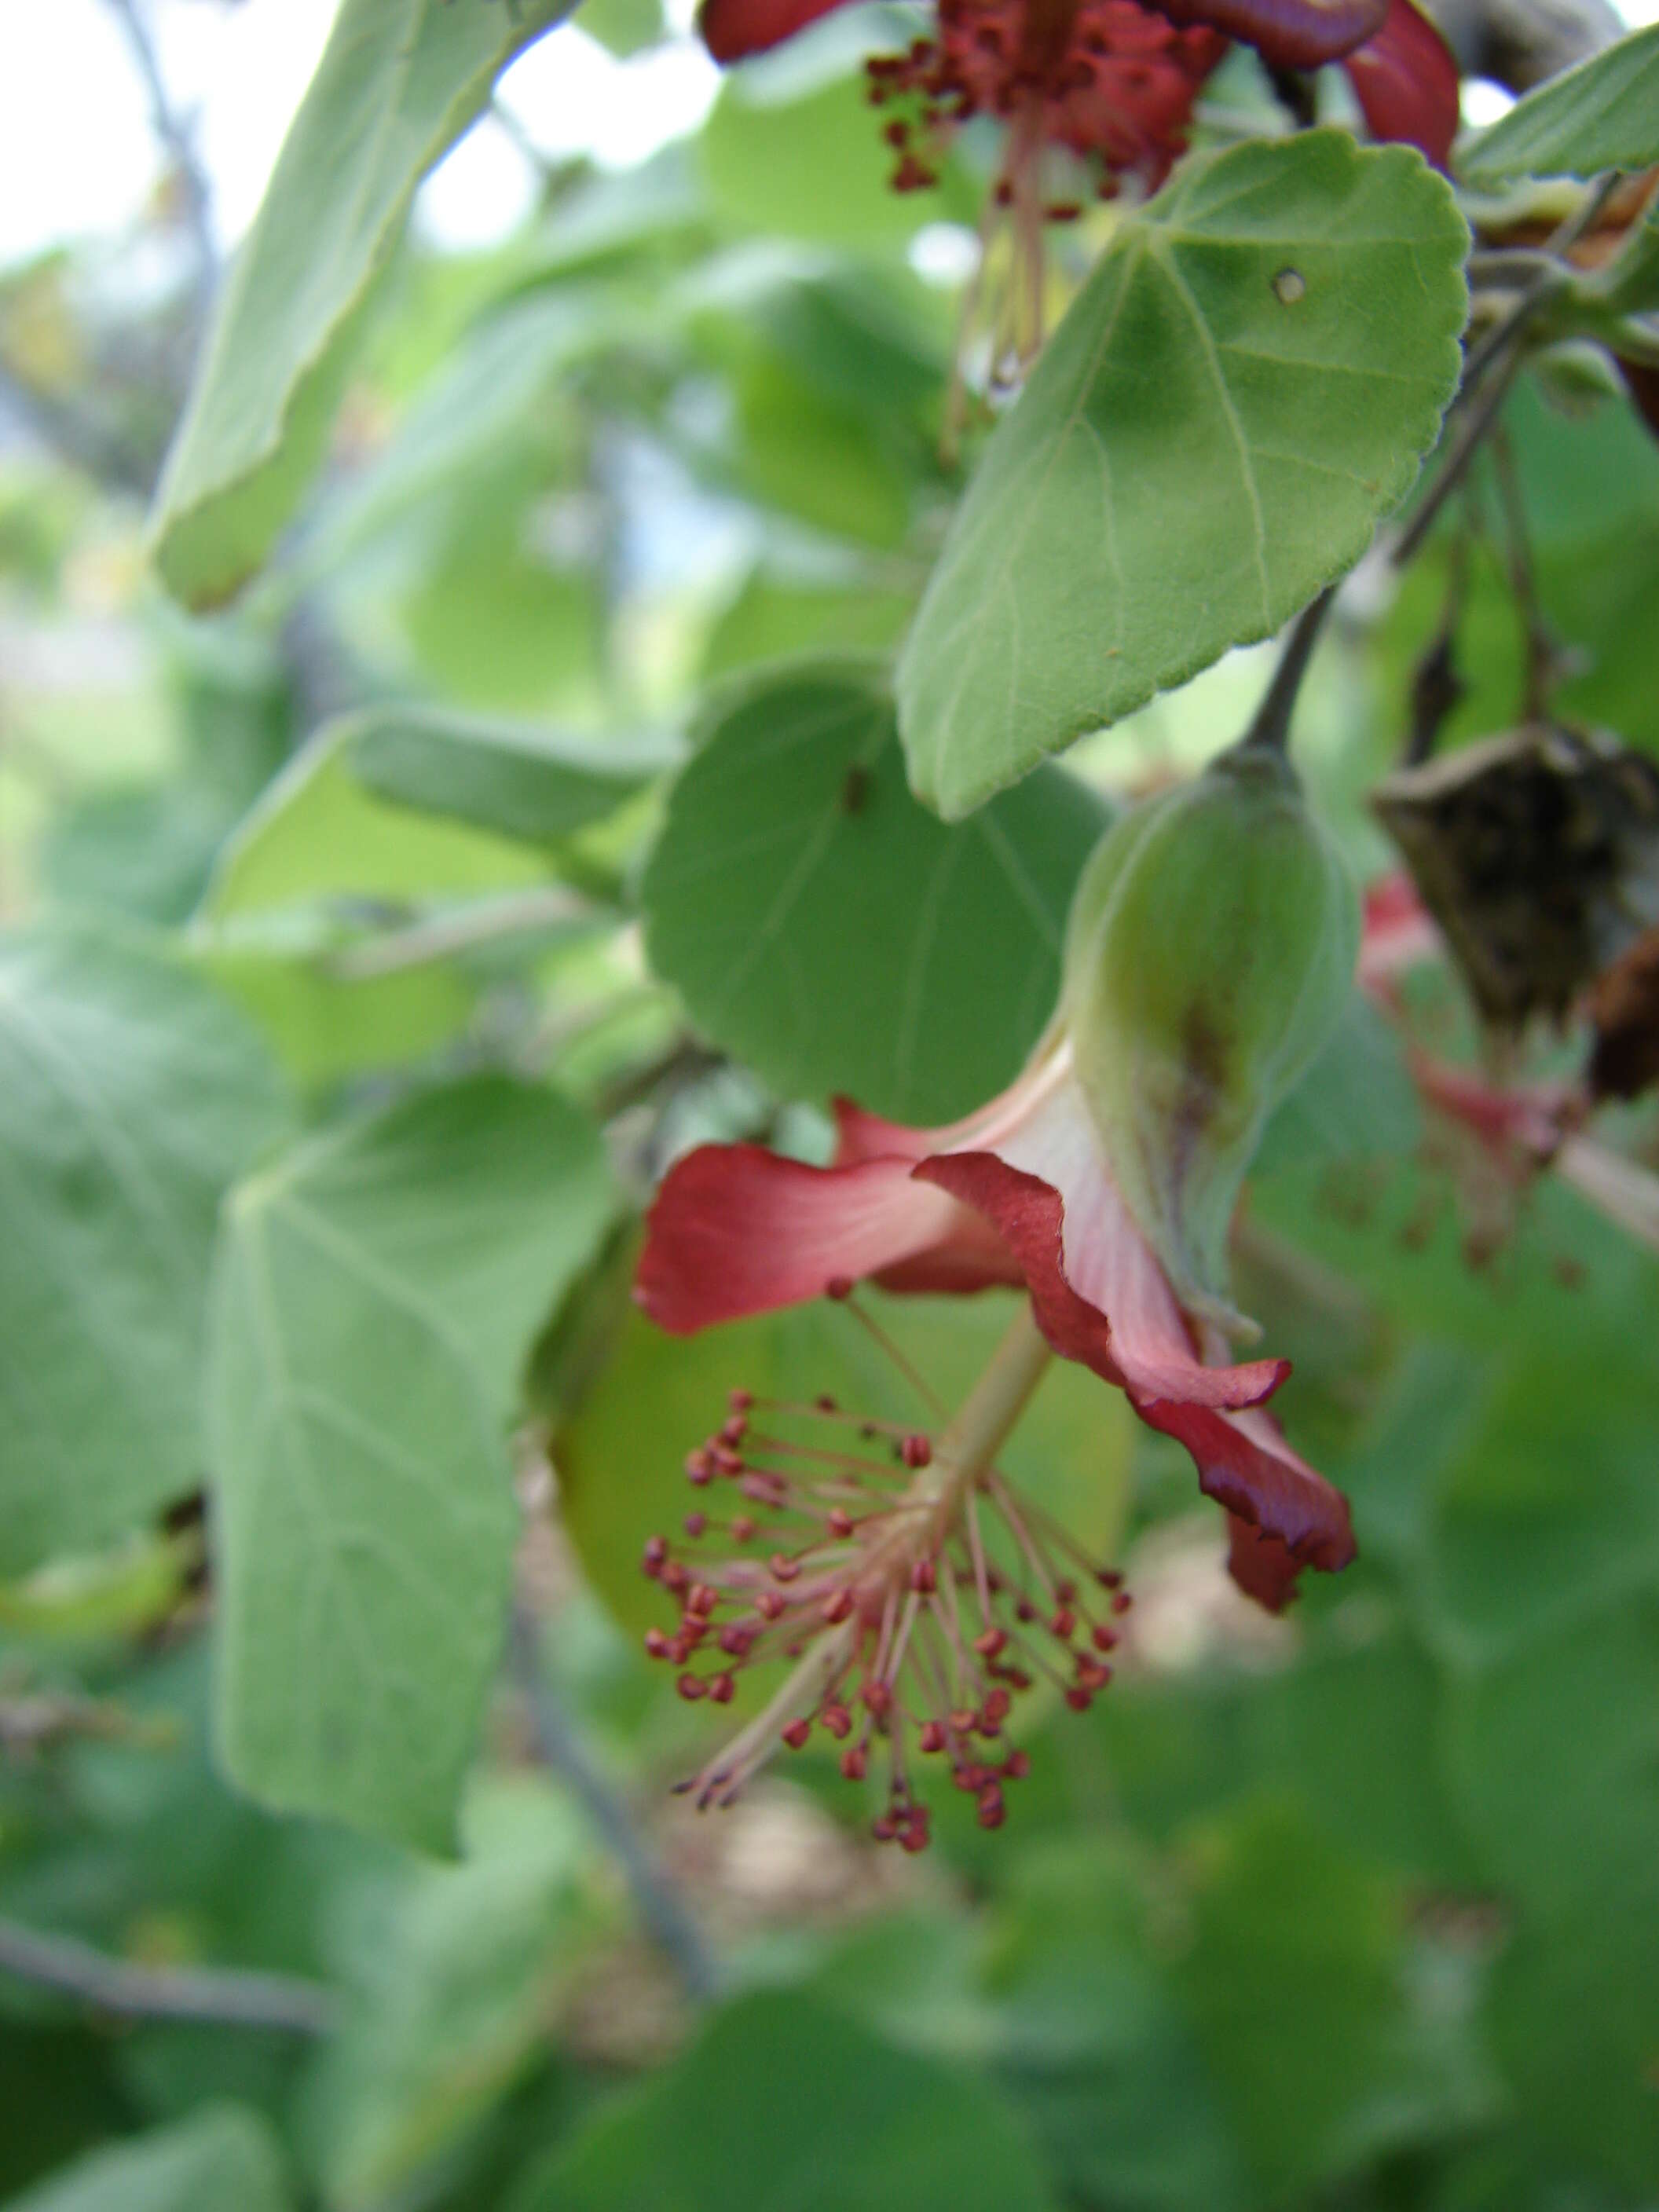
[[177, 140], [658, 1902], [228, 1999]]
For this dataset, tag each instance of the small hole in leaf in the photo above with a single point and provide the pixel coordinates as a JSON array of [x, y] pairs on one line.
[[1289, 286]]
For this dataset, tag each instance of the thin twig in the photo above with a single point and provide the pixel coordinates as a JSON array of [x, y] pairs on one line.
[[177, 140], [1491, 369], [283, 2003], [1549, 276], [1436, 687], [656, 1899], [1470, 432], [1542, 657]]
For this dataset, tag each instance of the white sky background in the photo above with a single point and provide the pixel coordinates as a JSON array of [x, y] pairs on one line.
[[77, 158]]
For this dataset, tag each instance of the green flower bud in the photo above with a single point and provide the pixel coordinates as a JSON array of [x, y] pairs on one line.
[[1210, 953]]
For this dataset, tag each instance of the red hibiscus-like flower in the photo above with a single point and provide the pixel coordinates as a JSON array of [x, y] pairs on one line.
[[1114, 80], [1021, 1193]]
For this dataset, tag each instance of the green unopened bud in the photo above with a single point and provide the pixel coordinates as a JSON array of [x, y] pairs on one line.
[[1210, 953]]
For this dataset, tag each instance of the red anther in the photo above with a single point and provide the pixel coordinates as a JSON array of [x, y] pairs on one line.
[[1079, 1700], [1105, 1638], [797, 1733], [692, 1632], [1062, 1623], [839, 1522], [1063, 211], [656, 1552], [1016, 1766], [884, 1827], [838, 1286], [702, 1599], [991, 1642], [679, 1649], [1066, 1593], [878, 1696], [691, 1687], [996, 1707], [853, 1763], [923, 1577], [838, 1606], [972, 1774], [734, 1430], [824, 1402], [916, 1451], [1109, 1578], [657, 1644], [895, 134], [743, 1529], [699, 1467], [1122, 1602], [694, 1524], [740, 1401], [676, 1576], [721, 1689], [989, 1810], [728, 1461], [962, 1720], [1092, 1674], [1025, 1610], [931, 1737], [734, 1640], [1004, 194], [769, 1604], [913, 1836], [782, 1568], [836, 1718]]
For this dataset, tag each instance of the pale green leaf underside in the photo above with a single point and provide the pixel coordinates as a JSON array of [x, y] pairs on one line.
[[420, 804], [375, 1297], [1247, 380], [822, 924], [321, 833], [1604, 114], [130, 1096], [399, 82], [221, 2157]]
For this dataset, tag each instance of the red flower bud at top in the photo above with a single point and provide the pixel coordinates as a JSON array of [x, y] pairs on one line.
[[1210, 950]]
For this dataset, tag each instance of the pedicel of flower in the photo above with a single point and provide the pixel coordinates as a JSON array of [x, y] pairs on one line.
[[864, 1553]]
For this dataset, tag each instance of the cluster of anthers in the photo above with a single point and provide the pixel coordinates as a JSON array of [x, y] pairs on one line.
[[917, 1595], [1110, 80]]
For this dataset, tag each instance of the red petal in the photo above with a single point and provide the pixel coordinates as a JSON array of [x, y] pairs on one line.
[[734, 28], [1287, 34], [1406, 80], [737, 1229], [1259, 1565], [1244, 1463], [1137, 1340], [1242, 1460]]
